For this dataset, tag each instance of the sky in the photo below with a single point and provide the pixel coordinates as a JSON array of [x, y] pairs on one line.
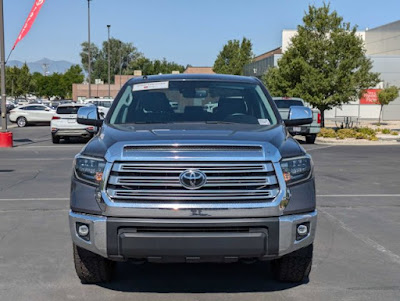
[[185, 31]]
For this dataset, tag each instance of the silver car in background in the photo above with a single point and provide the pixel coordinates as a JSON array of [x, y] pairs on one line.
[[310, 131], [31, 114], [64, 124]]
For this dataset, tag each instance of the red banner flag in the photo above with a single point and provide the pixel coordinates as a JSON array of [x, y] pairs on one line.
[[29, 21]]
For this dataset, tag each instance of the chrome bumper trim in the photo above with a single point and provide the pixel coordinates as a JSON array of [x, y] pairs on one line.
[[287, 232], [98, 232]]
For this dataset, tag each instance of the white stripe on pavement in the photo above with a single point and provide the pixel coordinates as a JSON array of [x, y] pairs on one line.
[[47, 147], [35, 199], [356, 195], [38, 159], [394, 257], [316, 148]]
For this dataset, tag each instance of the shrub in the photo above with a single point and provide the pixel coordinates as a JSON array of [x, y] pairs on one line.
[[347, 133], [394, 133], [327, 133], [357, 133], [385, 131], [366, 130]]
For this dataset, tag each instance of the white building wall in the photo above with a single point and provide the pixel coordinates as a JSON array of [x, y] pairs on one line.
[[288, 34], [384, 40]]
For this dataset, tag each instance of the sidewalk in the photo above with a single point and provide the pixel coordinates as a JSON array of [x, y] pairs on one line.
[[391, 125]]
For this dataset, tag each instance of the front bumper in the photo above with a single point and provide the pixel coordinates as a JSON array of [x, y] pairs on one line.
[[188, 240]]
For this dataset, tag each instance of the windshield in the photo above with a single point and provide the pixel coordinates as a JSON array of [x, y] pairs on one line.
[[106, 104], [68, 110], [287, 103], [193, 101]]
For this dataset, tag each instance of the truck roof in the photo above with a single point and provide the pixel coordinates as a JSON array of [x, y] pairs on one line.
[[205, 77]]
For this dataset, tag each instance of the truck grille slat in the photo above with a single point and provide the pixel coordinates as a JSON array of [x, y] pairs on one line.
[[174, 181], [136, 182]]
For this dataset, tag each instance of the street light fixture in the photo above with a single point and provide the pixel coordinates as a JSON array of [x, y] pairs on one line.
[[89, 54], [109, 63]]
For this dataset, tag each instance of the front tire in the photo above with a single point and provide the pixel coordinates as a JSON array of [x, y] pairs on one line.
[[21, 122], [90, 267], [310, 139], [294, 267]]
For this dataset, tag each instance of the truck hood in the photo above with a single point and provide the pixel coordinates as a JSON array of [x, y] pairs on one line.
[[111, 141]]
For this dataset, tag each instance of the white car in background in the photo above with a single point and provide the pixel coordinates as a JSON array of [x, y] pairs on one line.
[[31, 114], [64, 124], [103, 105]]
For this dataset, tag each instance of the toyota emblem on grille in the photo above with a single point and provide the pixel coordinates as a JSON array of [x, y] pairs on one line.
[[192, 179]]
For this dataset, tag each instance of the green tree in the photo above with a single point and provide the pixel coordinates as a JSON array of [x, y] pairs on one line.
[[18, 81], [37, 80], [12, 74], [73, 75], [94, 54], [149, 67], [121, 54], [233, 56], [325, 64], [386, 96]]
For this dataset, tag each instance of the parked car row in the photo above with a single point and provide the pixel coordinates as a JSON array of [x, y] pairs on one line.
[[62, 118]]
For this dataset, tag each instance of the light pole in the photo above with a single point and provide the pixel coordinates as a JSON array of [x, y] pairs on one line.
[[109, 63], [3, 72], [89, 53]]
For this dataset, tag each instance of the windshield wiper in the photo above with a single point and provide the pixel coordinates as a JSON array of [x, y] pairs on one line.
[[221, 122], [151, 122]]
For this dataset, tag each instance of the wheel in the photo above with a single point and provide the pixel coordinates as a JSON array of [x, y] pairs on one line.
[[56, 139], [92, 268], [21, 122], [294, 267], [311, 138]]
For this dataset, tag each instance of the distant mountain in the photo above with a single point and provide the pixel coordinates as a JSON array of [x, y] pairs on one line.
[[44, 64]]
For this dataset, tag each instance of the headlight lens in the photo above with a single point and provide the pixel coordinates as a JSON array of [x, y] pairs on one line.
[[296, 169], [89, 170]]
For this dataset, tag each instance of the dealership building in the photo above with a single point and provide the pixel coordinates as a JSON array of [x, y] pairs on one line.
[[382, 46]]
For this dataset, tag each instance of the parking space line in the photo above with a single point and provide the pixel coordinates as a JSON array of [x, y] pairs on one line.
[[394, 257], [323, 147], [38, 159], [356, 195], [47, 147], [34, 199]]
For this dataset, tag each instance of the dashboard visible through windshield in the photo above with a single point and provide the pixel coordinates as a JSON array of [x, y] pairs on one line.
[[193, 101]]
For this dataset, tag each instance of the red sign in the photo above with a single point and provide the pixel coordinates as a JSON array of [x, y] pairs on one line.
[[29, 21], [370, 97]]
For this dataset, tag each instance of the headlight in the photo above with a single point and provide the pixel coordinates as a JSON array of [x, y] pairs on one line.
[[296, 169], [89, 170]]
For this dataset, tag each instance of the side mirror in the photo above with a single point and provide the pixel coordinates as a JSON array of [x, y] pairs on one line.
[[299, 115], [89, 116]]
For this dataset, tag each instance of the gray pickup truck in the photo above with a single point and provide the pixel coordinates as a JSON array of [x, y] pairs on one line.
[[310, 131], [161, 183]]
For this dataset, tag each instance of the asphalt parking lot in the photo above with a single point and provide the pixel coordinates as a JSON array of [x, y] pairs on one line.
[[357, 249]]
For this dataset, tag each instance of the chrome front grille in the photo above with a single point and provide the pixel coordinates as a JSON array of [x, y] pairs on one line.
[[159, 181]]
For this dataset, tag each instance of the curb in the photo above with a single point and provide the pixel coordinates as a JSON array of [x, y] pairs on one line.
[[361, 142], [10, 126]]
